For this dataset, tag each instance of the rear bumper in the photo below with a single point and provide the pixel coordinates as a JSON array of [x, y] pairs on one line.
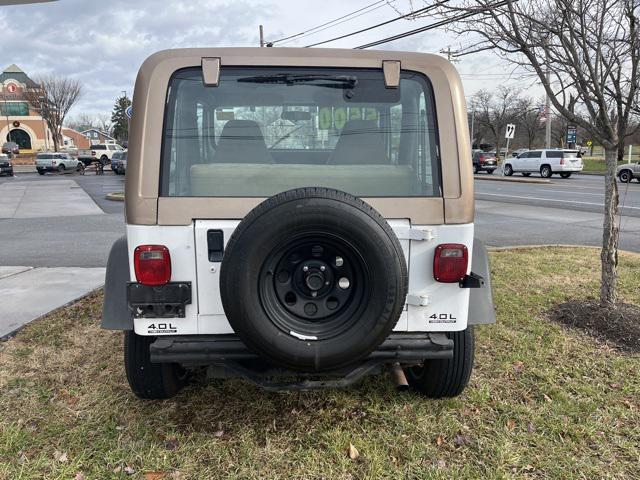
[[47, 168], [226, 356], [199, 350], [568, 168]]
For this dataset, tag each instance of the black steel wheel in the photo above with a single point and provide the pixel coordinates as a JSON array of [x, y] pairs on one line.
[[565, 174], [313, 279]]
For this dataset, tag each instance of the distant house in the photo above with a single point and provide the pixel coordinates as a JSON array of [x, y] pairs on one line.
[[97, 136], [74, 139]]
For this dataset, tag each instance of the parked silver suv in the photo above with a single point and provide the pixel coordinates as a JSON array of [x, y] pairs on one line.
[[546, 162]]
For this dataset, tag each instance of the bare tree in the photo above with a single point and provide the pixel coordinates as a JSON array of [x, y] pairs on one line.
[[104, 123], [586, 54], [495, 111], [81, 122], [528, 120], [52, 99]]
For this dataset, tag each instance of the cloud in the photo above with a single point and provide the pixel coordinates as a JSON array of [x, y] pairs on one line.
[[103, 43]]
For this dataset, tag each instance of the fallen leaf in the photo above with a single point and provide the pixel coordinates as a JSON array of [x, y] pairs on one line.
[[154, 475], [529, 468], [60, 456], [79, 476], [353, 452], [129, 470], [547, 397], [118, 469], [518, 366], [511, 424], [439, 440]]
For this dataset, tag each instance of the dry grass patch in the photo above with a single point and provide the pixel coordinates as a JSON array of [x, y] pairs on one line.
[[544, 402]]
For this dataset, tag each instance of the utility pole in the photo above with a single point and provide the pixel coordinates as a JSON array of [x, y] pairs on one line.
[[547, 106], [451, 54], [261, 36], [128, 119], [473, 118]]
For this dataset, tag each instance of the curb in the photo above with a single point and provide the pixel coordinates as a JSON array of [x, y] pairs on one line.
[[551, 245], [492, 178], [115, 196]]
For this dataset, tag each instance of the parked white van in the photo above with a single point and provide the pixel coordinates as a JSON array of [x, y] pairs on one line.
[[546, 162]]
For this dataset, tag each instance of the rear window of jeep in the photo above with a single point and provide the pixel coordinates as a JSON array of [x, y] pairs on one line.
[[265, 130]]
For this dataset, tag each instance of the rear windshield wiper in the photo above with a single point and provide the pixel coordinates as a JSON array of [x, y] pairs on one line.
[[319, 80]]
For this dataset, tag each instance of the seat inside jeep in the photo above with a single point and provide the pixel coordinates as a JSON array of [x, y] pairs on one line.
[[262, 131]]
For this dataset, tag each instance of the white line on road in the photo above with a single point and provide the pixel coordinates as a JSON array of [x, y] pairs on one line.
[[550, 200]]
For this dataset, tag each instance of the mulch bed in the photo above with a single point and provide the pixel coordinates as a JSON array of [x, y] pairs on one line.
[[619, 326]]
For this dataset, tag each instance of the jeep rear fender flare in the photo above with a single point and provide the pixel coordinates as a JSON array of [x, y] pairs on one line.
[[115, 313], [481, 309]]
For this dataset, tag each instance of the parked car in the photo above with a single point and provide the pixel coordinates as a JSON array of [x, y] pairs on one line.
[[6, 167], [102, 153], [277, 262], [519, 151], [119, 162], [484, 162], [57, 162], [628, 172], [11, 148], [546, 162]]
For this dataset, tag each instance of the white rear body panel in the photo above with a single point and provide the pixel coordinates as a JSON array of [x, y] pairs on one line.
[[432, 306]]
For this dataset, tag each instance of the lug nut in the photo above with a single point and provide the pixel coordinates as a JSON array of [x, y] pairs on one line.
[[305, 269], [322, 268]]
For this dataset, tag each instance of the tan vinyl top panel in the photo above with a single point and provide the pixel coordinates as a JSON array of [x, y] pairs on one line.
[[143, 169]]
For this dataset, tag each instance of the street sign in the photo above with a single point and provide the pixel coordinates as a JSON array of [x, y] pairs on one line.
[[129, 111], [589, 143], [511, 131], [572, 133]]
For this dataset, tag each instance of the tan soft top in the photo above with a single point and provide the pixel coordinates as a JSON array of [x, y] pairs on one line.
[[144, 207]]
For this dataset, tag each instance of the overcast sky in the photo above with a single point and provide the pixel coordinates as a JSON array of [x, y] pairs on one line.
[[103, 43]]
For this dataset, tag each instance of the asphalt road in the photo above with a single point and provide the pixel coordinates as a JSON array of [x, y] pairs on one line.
[[567, 211]]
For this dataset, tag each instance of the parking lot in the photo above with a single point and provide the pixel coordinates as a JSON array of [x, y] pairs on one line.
[[70, 223]]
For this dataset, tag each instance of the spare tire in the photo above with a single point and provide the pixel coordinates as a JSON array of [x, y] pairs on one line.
[[313, 279]]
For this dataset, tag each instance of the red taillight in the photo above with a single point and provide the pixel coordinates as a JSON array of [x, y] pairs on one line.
[[152, 264], [562, 161], [450, 262]]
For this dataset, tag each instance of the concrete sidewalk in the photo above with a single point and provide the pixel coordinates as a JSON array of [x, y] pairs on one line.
[[28, 293], [45, 198]]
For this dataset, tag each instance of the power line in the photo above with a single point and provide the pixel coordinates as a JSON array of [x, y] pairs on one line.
[[329, 23], [415, 12], [432, 26], [343, 21]]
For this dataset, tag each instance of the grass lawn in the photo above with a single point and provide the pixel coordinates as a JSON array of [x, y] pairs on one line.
[[544, 402], [597, 165]]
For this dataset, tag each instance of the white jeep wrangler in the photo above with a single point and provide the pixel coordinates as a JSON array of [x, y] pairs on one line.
[[300, 218]]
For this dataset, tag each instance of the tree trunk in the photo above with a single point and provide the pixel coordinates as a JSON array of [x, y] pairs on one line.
[[609, 253]]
